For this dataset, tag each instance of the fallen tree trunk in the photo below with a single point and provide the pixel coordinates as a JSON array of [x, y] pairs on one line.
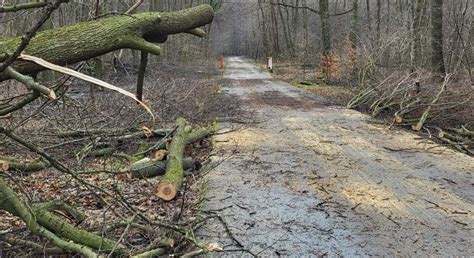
[[82, 41], [146, 168], [9, 164], [171, 182]]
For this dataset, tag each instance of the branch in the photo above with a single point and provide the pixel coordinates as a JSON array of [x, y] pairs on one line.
[[90, 79], [25, 6], [37, 247], [16, 206], [134, 7], [25, 40], [197, 32], [308, 8], [32, 97], [30, 83], [82, 41]]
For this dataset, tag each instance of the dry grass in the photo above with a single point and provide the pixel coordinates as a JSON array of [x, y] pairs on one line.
[[308, 79]]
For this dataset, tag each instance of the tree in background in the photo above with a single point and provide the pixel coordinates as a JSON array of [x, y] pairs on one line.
[[437, 58]]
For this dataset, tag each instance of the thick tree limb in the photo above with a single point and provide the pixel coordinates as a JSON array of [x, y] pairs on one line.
[[71, 44], [30, 83], [171, 182], [146, 168], [23, 166], [10, 202]]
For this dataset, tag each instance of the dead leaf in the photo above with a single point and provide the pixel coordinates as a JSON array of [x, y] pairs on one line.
[[124, 176]]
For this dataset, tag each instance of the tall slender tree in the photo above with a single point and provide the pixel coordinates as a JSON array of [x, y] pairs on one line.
[[437, 57], [354, 35], [325, 29], [420, 5]]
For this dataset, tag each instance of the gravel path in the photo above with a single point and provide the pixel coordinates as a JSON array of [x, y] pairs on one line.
[[309, 179]]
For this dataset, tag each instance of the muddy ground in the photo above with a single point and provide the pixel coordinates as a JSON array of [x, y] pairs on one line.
[[303, 178]]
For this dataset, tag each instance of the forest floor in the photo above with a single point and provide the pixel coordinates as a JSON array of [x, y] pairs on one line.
[[298, 176], [188, 90]]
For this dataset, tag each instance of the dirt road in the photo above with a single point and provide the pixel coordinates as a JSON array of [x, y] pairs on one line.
[[310, 179]]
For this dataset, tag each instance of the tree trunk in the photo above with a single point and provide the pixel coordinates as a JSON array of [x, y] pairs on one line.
[[437, 58], [171, 182], [141, 74], [354, 36], [146, 168], [379, 19], [325, 30], [82, 41], [417, 25]]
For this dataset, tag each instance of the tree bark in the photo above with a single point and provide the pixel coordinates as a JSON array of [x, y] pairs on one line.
[[354, 35], [146, 168], [171, 182], [82, 41], [325, 29], [141, 74], [437, 58]]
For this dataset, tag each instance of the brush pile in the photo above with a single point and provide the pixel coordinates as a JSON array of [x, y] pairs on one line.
[[444, 110]]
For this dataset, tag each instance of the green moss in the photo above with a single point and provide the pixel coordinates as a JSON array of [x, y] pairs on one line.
[[141, 152], [82, 41]]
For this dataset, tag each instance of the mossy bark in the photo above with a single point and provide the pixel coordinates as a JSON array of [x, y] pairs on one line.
[[146, 168], [23, 166], [44, 223], [10, 202], [171, 182], [82, 41]]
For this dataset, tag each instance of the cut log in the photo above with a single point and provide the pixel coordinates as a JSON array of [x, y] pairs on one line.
[[161, 155], [82, 41], [171, 182], [200, 133], [146, 168], [9, 164]]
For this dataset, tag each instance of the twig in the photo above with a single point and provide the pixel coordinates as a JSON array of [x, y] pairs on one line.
[[125, 231], [25, 40]]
